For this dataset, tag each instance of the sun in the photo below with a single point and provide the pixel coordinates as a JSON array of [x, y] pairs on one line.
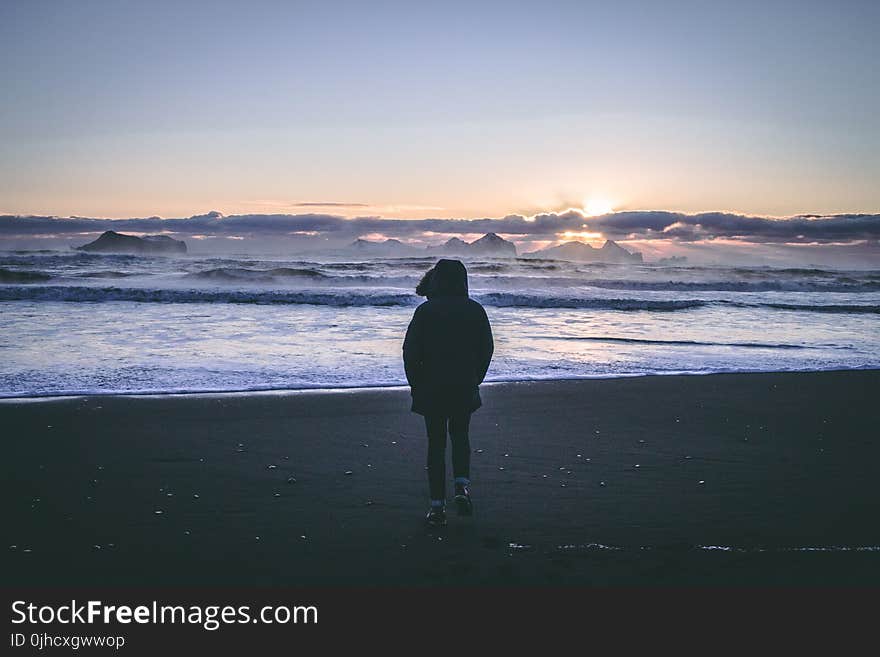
[[593, 207]]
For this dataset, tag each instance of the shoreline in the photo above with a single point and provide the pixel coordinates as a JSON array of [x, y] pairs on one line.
[[725, 480], [37, 397]]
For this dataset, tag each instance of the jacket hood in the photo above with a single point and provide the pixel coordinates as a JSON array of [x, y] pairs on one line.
[[449, 279]]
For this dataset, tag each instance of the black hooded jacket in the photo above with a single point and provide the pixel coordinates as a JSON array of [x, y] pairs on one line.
[[448, 345]]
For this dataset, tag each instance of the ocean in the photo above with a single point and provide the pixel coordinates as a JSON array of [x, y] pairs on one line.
[[80, 323]]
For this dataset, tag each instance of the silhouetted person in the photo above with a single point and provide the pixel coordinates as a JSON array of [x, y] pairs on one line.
[[446, 354]]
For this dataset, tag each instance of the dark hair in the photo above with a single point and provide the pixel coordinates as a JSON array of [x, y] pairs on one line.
[[423, 289], [449, 279]]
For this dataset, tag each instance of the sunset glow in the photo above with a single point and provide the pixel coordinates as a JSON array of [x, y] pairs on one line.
[[595, 207], [580, 235]]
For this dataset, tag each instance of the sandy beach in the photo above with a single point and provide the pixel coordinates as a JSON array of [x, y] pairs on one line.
[[741, 479]]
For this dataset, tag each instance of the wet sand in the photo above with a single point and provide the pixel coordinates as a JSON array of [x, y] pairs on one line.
[[598, 482]]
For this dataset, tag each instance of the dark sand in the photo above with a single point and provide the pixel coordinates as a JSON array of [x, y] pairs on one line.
[[787, 461]]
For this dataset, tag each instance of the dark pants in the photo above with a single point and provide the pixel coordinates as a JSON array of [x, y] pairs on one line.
[[461, 450]]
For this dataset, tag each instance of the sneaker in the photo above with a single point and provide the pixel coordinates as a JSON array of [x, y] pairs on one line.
[[436, 516], [463, 500]]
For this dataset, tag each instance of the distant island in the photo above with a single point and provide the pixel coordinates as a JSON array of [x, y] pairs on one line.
[[611, 252], [491, 245], [113, 242]]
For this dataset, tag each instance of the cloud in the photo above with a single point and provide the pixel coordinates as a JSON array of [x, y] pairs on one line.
[[279, 204], [718, 225], [328, 204], [637, 225]]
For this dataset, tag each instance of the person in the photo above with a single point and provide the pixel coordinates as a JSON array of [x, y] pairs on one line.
[[446, 354]]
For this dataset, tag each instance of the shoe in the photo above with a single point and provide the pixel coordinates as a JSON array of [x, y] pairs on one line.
[[436, 517], [463, 500]]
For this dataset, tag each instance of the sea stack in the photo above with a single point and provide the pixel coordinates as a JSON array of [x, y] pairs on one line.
[[611, 252], [113, 242], [490, 245]]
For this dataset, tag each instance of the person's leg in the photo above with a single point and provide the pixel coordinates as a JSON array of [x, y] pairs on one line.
[[436, 427], [461, 448], [461, 462]]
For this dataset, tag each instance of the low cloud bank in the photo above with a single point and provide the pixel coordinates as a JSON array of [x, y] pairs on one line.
[[639, 225]]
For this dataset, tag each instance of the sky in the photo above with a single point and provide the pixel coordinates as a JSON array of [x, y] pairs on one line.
[[452, 110]]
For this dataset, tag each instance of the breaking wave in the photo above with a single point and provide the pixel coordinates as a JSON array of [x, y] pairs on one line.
[[687, 343], [239, 274], [509, 300], [840, 284], [11, 276], [365, 296]]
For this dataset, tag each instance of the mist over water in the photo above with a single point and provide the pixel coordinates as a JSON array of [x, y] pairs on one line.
[[73, 322]]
